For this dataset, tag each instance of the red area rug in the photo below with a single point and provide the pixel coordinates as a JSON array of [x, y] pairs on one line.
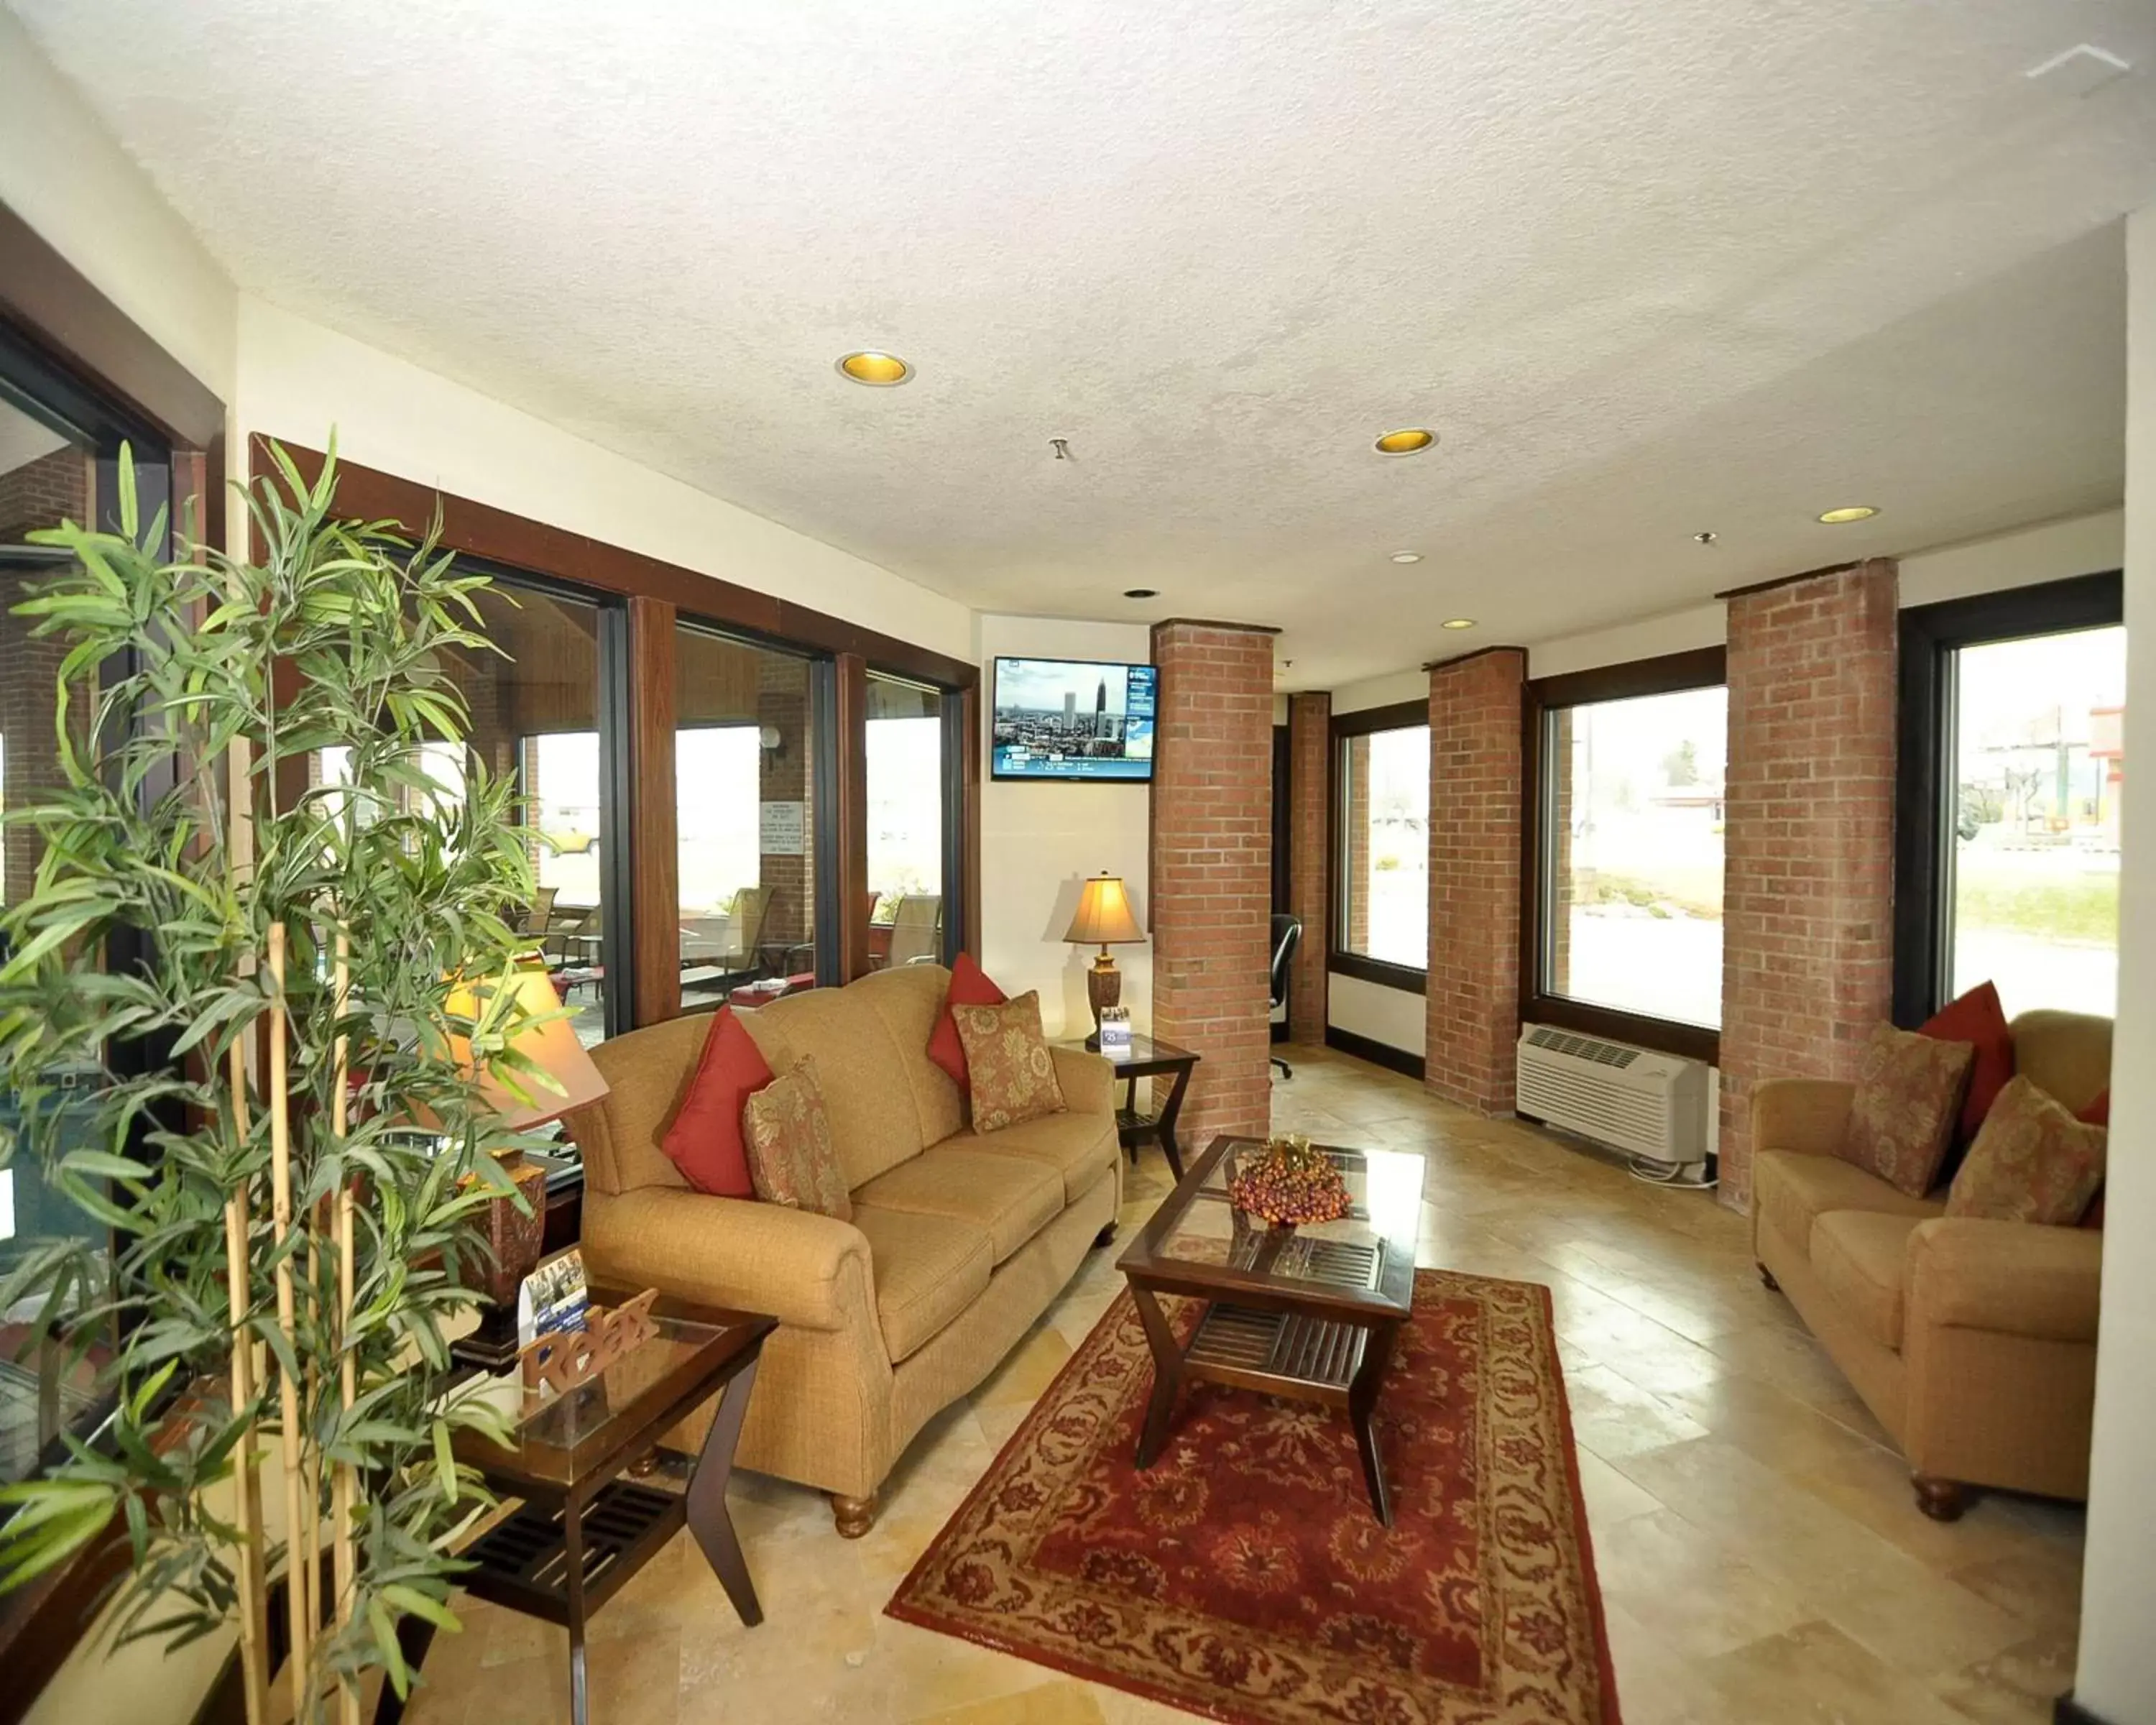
[[1245, 1578]]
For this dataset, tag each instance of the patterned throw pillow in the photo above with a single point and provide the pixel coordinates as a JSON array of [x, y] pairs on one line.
[[788, 1134], [1908, 1097], [2032, 1161], [1009, 1068]]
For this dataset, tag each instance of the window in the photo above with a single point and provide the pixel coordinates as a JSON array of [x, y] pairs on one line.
[[1381, 790], [2012, 777], [904, 751], [1622, 934], [540, 709], [744, 759]]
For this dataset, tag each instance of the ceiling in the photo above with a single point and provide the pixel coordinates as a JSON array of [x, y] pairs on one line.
[[1705, 264]]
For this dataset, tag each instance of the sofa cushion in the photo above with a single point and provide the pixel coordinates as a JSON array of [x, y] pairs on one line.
[[1860, 1257], [1081, 1147], [969, 987], [868, 1079], [704, 1139], [2066, 1054], [927, 1270], [789, 1134], [1977, 1019], [1909, 1091], [1790, 1191], [2033, 1162], [1012, 1197], [1010, 1076]]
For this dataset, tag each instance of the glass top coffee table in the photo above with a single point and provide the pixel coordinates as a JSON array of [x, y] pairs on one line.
[[1310, 1313]]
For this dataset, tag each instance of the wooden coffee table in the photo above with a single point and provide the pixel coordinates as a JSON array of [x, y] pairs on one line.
[[1307, 1312], [582, 1529]]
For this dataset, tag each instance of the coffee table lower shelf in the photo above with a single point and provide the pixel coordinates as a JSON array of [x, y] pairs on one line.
[[1277, 1351]]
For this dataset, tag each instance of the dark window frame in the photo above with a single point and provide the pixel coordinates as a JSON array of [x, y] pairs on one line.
[[1930, 636], [1666, 673], [1396, 716]]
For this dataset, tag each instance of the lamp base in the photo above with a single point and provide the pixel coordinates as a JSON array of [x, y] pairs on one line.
[[1104, 987], [493, 1347]]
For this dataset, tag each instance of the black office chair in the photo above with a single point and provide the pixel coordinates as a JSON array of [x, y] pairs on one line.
[[1287, 936]]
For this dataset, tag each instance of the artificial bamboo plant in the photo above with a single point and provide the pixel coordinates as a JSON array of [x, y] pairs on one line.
[[288, 1240]]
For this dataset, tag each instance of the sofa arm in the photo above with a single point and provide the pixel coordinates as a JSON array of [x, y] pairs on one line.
[[1088, 1080], [2016, 1278], [805, 1269], [1806, 1115]]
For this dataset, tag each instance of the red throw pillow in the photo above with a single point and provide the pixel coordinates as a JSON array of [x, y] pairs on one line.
[[704, 1139], [969, 987], [2097, 1113], [1977, 1018]]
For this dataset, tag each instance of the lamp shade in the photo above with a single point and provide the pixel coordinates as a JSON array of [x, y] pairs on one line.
[[540, 1032], [1104, 915]]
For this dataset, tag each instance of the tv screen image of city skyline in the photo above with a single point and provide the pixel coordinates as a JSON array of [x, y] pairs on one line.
[[1057, 718]]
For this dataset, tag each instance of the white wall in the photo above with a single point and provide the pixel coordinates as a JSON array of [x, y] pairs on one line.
[[2116, 1680], [1393, 687], [62, 172], [1673, 631], [2050, 551], [1039, 842], [297, 379]]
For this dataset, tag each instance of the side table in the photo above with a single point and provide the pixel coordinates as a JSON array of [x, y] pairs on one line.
[[580, 1529], [1148, 1057]]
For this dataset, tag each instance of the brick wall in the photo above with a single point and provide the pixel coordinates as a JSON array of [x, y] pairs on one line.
[[1310, 862], [1808, 947], [1211, 869], [1473, 997], [781, 702], [44, 493], [1565, 890]]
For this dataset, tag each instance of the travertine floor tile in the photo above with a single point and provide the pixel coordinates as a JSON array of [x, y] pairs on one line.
[[1760, 1559]]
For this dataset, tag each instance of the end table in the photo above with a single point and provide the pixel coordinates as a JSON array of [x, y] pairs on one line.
[[1148, 1057]]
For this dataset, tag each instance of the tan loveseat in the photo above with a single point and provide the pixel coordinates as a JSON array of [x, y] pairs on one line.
[[958, 1242], [1973, 1341]]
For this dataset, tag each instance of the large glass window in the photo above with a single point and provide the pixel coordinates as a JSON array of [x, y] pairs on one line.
[[744, 814], [1632, 853], [2031, 883], [538, 711], [905, 763], [47, 473], [1382, 785]]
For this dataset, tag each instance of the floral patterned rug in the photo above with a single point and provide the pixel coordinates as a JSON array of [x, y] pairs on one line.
[[1244, 1577]]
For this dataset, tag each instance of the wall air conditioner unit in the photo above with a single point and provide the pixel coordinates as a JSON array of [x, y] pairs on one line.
[[1652, 1105]]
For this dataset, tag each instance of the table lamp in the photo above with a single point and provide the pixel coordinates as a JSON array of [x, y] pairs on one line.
[[1104, 919], [543, 1034]]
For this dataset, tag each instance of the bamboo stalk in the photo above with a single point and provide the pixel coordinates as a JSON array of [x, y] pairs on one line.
[[280, 1187], [247, 1513], [346, 1484], [312, 1456]]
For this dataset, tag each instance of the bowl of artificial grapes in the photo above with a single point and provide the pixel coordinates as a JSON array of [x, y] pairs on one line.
[[1288, 1183]]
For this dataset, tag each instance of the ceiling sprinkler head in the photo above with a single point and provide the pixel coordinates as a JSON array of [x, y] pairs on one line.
[[1061, 445], [1702, 538]]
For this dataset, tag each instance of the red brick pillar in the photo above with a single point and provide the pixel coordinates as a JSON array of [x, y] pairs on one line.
[[1808, 894], [1310, 859], [1473, 998], [1211, 869], [781, 704]]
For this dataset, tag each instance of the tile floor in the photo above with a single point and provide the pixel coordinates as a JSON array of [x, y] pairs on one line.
[[1760, 1557]]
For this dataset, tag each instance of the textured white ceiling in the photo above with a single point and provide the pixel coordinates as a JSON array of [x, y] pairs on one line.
[[1648, 268]]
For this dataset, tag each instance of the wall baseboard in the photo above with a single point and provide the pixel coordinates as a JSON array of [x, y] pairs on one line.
[[2067, 1711], [1378, 1054]]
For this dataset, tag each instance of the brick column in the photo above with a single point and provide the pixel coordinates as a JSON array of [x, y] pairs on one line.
[[1355, 826], [39, 494], [1310, 859], [1564, 890], [1211, 869], [781, 702], [1808, 894], [1473, 999]]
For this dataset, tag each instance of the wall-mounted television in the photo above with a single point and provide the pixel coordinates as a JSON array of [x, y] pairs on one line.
[[1076, 720]]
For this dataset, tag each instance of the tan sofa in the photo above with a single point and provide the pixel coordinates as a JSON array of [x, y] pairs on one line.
[[957, 1243], [1973, 1341]]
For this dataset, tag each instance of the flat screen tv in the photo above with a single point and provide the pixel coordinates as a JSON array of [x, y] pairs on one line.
[[1070, 719]]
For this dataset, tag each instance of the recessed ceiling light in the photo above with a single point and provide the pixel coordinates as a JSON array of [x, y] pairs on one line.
[[1460, 622], [1851, 512], [879, 371], [1407, 556], [1141, 593], [1410, 442]]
